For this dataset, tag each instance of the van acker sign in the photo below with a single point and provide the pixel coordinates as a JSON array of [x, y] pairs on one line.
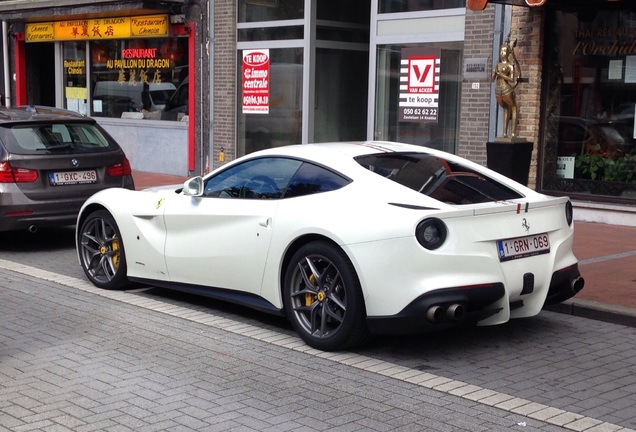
[[96, 29]]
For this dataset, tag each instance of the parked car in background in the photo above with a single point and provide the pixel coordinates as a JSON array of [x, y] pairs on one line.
[[579, 136], [114, 98], [51, 161], [345, 239], [177, 105]]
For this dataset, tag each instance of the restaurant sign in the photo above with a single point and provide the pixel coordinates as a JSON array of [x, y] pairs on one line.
[[98, 29]]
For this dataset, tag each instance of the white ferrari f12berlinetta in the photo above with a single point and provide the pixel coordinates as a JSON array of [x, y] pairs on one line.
[[346, 240]]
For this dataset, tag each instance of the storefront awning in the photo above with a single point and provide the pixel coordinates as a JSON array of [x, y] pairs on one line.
[[478, 5], [36, 10]]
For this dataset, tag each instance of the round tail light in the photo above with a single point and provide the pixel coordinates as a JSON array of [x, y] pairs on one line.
[[431, 233]]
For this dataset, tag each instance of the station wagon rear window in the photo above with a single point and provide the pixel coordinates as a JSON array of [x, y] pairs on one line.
[[438, 178], [49, 138]]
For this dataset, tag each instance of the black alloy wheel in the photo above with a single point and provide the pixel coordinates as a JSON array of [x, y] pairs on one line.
[[101, 251], [323, 298]]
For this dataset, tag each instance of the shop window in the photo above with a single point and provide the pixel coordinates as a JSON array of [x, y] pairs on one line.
[[270, 100], [351, 11], [136, 76], [75, 90], [589, 140], [270, 33], [270, 10], [340, 106], [392, 6], [428, 115]]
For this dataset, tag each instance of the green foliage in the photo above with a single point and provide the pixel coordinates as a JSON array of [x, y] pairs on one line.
[[600, 165]]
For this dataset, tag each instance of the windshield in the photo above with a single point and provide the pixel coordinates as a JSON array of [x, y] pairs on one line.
[[438, 178], [42, 138]]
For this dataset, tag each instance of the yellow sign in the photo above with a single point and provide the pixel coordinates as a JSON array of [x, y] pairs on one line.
[[42, 32], [149, 26], [75, 92], [98, 29]]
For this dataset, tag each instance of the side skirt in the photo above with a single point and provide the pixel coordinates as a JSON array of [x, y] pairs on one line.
[[249, 300]]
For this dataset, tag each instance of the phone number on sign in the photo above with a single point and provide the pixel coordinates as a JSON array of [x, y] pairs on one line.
[[420, 111]]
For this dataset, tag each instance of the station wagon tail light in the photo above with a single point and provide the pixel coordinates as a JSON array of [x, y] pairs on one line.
[[431, 233], [8, 174], [121, 169]]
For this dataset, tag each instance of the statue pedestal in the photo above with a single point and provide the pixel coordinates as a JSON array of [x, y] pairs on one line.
[[510, 157]]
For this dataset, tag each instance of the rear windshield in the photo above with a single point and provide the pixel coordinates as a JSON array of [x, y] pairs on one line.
[[440, 179], [46, 138]]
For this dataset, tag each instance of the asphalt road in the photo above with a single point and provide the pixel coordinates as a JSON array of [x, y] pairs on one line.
[[73, 357]]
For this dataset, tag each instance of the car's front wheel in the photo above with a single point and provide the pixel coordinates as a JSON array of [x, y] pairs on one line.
[[101, 251], [323, 298]]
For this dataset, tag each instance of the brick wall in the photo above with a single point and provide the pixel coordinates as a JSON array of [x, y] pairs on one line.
[[224, 80], [475, 103], [527, 28]]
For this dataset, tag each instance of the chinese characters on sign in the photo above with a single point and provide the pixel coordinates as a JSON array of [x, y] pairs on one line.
[[419, 85], [256, 81], [137, 62], [103, 28]]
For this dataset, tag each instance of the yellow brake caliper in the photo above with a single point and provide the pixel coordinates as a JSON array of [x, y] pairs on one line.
[[309, 297], [115, 255]]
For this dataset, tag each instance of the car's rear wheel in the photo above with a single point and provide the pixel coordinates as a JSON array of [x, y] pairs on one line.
[[323, 298], [101, 251]]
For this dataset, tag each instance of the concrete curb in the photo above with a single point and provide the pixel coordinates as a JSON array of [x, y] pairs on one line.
[[597, 311]]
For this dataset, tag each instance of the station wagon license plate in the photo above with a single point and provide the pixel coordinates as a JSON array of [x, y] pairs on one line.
[[61, 178], [523, 247]]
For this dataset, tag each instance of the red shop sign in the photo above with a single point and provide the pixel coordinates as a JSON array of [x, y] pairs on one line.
[[256, 81]]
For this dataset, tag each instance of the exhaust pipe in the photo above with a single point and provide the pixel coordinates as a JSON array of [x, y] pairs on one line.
[[32, 229], [435, 314], [455, 312], [577, 284]]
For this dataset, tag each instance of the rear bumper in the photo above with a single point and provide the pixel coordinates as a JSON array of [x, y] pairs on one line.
[[565, 284], [462, 306], [421, 314], [21, 217], [19, 212]]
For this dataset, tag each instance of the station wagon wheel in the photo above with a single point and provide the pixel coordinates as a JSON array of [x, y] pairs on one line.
[[323, 298], [101, 251]]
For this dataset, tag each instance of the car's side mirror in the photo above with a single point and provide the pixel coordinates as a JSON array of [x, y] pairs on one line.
[[193, 186]]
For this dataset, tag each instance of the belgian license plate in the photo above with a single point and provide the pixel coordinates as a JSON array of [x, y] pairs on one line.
[[60, 178], [523, 247]]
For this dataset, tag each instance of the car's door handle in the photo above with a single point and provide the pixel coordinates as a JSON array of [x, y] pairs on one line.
[[266, 223]]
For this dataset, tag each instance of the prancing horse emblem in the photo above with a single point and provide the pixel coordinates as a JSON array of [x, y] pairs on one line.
[[525, 224]]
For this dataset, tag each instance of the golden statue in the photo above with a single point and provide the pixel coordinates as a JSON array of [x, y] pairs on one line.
[[507, 73]]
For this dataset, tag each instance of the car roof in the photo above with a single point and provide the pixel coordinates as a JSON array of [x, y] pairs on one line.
[[327, 153], [37, 113]]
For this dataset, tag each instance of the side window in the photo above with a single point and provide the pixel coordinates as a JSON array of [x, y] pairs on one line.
[[263, 178], [311, 179]]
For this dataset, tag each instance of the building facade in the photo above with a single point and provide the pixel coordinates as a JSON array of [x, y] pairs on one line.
[[186, 86]]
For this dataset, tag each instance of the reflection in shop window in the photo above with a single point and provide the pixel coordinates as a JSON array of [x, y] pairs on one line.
[[136, 78], [589, 141]]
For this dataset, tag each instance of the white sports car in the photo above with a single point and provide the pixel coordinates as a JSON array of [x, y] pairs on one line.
[[345, 239]]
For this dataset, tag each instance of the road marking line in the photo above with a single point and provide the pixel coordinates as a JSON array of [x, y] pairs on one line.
[[607, 258], [523, 407]]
